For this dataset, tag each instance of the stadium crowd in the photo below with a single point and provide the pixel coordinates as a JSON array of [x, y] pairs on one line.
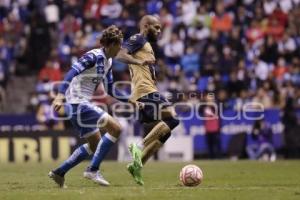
[[240, 50]]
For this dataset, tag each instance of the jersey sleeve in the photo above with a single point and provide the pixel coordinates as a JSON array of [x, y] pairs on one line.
[[68, 78], [134, 43], [87, 61]]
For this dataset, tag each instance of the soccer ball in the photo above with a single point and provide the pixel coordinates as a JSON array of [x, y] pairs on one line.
[[191, 175]]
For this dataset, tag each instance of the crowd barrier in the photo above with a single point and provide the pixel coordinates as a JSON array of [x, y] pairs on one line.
[[20, 140]]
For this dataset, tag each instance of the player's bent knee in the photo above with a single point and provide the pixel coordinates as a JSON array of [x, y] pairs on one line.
[[118, 131], [171, 122]]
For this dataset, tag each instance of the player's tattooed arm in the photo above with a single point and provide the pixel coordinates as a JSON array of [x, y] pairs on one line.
[[125, 57]]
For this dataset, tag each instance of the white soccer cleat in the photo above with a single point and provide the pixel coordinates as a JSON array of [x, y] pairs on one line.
[[96, 177], [59, 180]]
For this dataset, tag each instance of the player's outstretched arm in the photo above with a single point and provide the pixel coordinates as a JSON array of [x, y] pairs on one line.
[[58, 101], [125, 57]]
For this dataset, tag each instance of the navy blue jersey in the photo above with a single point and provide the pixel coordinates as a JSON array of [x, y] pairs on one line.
[[134, 43]]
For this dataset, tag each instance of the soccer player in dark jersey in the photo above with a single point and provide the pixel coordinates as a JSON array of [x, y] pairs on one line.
[[138, 53]]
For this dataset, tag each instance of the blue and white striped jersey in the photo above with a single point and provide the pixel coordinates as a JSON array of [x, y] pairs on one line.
[[85, 75]]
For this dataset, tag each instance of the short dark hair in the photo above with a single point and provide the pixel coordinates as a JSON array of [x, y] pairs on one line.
[[111, 35]]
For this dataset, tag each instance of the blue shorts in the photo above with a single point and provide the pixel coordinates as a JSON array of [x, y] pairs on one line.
[[85, 118], [154, 103]]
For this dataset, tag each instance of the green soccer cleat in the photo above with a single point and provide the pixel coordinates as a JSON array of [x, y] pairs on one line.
[[136, 173], [136, 154]]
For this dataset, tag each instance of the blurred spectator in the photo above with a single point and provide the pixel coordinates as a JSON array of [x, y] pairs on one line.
[[4, 64], [274, 29], [73, 7], [236, 44], [242, 99], [255, 34], [128, 22], [280, 16], [89, 39], [262, 146], [92, 9], [263, 99], [222, 21], [234, 85], [154, 6], [243, 17], [135, 8], [269, 6], [212, 127], [39, 42], [224, 99], [51, 72], [167, 23], [189, 9], [110, 12], [242, 73], [228, 62], [3, 76], [269, 50], [285, 5], [69, 25], [261, 69], [52, 13], [287, 46], [211, 61], [295, 72], [202, 17], [199, 31], [190, 62], [280, 70], [174, 50]]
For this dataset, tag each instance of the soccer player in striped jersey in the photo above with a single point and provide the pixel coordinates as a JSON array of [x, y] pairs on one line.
[[92, 69]]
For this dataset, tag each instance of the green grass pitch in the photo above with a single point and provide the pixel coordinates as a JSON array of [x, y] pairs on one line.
[[222, 180]]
